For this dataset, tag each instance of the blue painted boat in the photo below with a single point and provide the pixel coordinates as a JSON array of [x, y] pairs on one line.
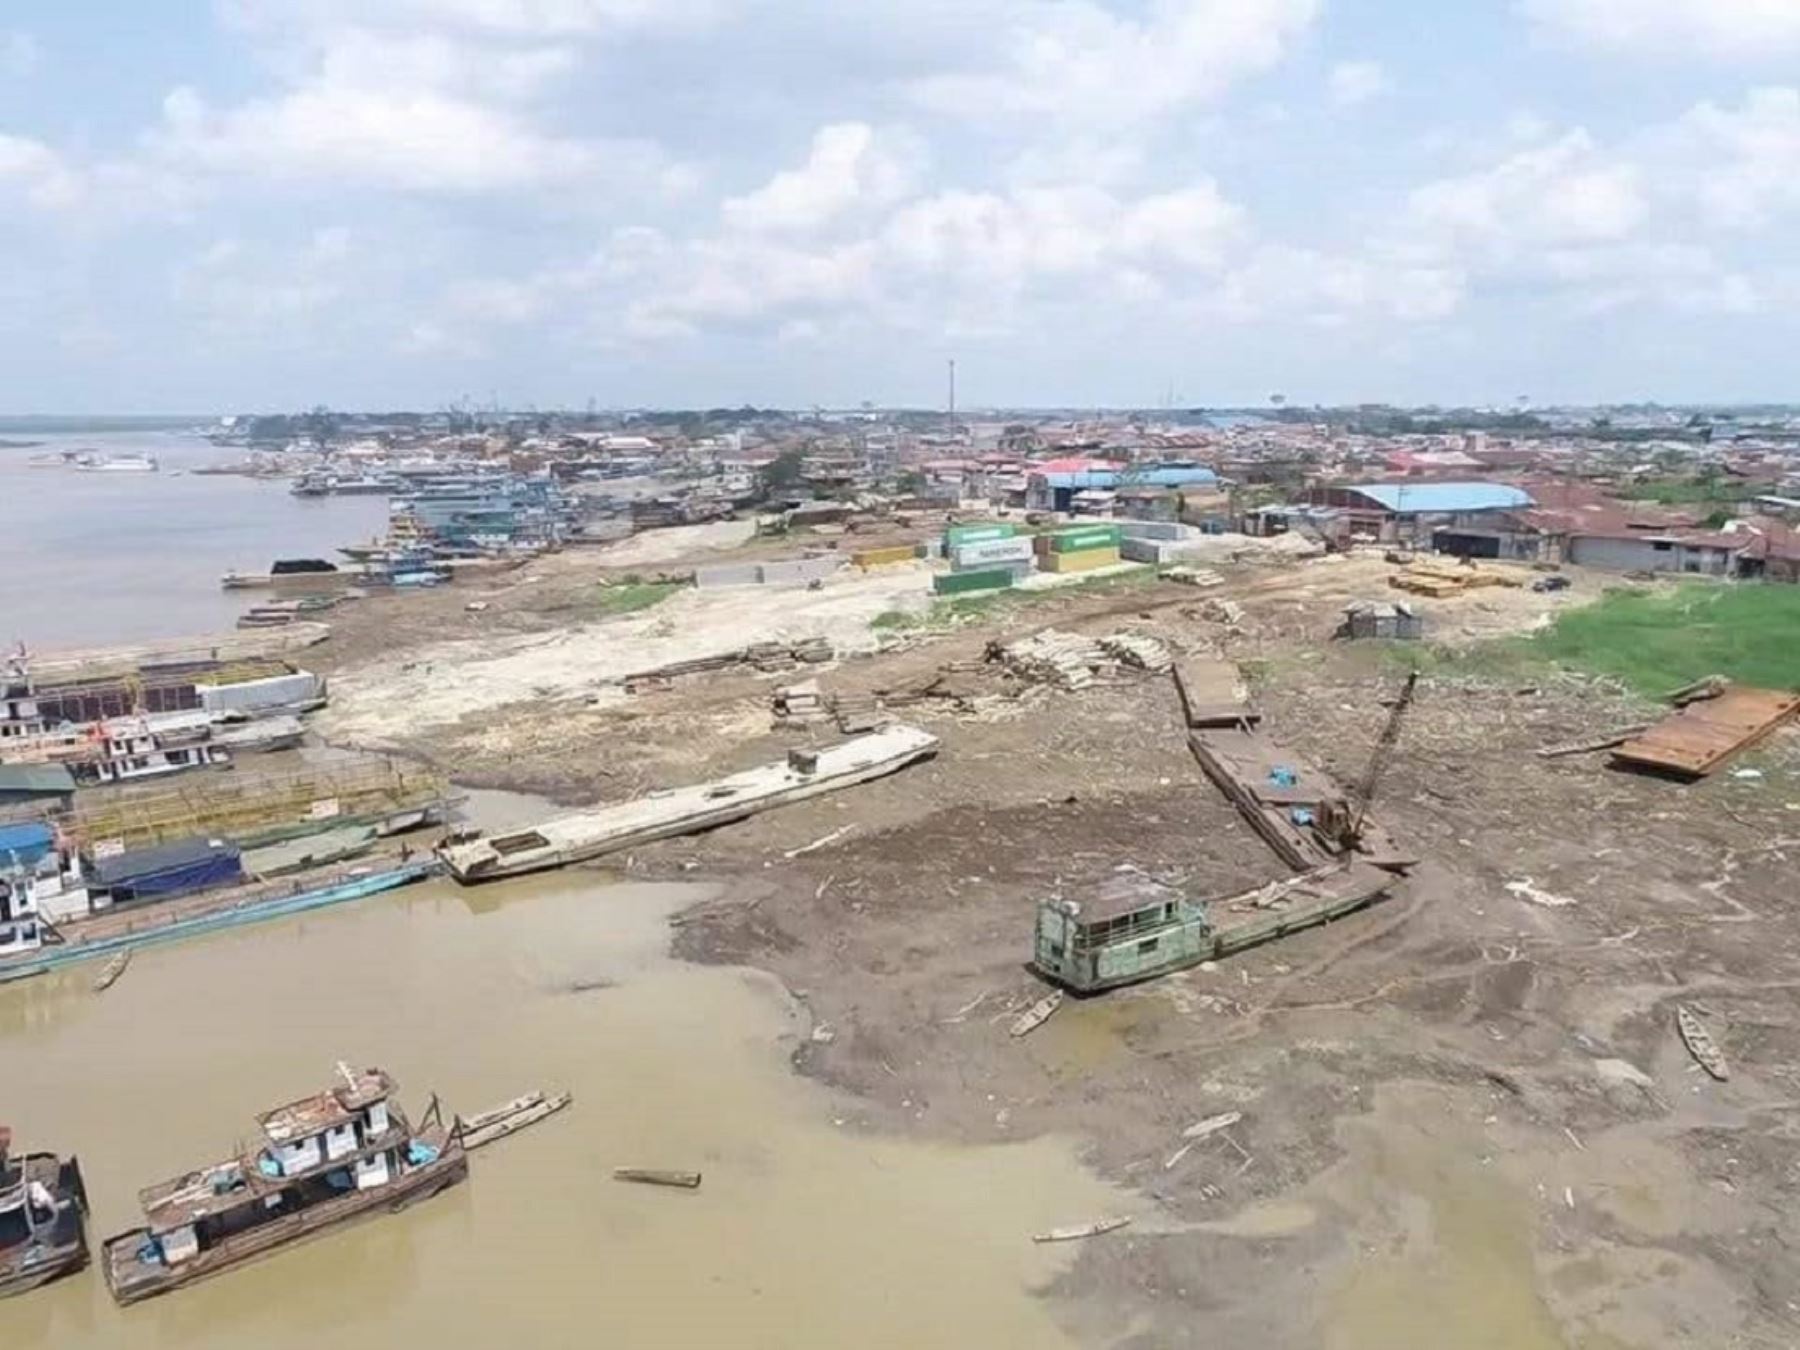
[[255, 911]]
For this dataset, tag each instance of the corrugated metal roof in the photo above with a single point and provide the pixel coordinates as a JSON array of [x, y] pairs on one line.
[[142, 862], [46, 778], [1410, 498], [25, 837]]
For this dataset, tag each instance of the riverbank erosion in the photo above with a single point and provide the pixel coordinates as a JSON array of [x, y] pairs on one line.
[[1462, 1114]]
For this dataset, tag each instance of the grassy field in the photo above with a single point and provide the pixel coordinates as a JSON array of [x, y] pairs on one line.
[[951, 610], [1654, 641], [628, 597], [1657, 642]]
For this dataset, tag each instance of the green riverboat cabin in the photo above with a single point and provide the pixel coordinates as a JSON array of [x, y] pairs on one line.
[[1132, 930]]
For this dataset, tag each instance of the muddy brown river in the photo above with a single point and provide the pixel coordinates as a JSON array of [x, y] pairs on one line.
[[806, 1233]]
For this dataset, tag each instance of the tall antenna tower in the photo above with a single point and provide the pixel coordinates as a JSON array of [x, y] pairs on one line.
[[953, 395]]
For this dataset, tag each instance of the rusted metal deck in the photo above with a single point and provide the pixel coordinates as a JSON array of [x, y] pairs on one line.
[[1282, 796], [1213, 693], [1697, 739]]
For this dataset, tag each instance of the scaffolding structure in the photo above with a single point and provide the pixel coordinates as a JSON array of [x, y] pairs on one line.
[[256, 809]]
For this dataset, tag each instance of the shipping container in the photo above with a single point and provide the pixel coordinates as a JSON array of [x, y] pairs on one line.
[[992, 553], [955, 536], [1086, 560], [884, 557], [962, 583], [1079, 539]]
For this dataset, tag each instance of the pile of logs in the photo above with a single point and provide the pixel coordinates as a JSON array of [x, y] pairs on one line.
[[1139, 651]]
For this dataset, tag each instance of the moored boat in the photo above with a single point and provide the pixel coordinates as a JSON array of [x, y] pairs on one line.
[[43, 1218], [338, 1155]]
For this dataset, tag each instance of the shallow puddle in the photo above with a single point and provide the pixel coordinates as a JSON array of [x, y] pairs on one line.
[[804, 1233], [1459, 1272]]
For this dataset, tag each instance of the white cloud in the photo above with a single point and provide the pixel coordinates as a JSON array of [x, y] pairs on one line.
[[37, 172], [514, 18], [420, 140], [850, 167], [1564, 191], [1744, 161], [1078, 62], [238, 287], [1355, 82], [1732, 29], [20, 55]]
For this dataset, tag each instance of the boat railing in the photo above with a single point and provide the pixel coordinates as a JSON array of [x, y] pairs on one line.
[[260, 893]]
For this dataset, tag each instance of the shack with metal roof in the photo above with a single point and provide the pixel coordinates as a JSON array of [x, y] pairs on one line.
[[1413, 510]]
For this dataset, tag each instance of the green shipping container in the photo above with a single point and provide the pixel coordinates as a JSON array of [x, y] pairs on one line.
[[955, 536], [1082, 539], [960, 583]]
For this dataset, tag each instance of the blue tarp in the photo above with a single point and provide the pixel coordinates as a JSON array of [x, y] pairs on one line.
[[168, 869], [24, 844]]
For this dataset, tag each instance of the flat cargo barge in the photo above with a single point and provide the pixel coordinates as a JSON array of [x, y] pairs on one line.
[[660, 815]]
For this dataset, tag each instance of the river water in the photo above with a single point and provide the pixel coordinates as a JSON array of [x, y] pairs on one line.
[[806, 1232], [92, 559]]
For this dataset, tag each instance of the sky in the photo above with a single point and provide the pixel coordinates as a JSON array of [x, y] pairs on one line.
[[271, 204]]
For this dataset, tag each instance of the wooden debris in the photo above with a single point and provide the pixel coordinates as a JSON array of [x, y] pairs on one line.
[[1037, 1014], [1606, 742], [820, 843], [1700, 1044], [650, 1176], [109, 976], [496, 1123], [1076, 1232], [1697, 692], [1138, 651], [1212, 1125]]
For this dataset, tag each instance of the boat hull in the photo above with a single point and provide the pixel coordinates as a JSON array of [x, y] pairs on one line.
[[579, 838], [280, 1235], [212, 920]]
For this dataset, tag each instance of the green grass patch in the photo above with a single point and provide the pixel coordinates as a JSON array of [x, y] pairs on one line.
[[628, 597], [1656, 642], [949, 611], [1687, 491], [1650, 641]]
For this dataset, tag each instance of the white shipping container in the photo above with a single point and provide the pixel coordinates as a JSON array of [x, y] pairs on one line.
[[990, 553]]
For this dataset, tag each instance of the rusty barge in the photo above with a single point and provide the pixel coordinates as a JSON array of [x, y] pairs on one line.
[[339, 1155]]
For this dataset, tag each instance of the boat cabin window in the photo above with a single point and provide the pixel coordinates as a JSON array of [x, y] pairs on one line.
[[340, 1140], [1147, 946]]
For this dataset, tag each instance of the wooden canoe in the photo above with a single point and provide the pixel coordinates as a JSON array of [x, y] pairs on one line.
[[1076, 1232], [1700, 1044], [487, 1127], [109, 976], [1037, 1014]]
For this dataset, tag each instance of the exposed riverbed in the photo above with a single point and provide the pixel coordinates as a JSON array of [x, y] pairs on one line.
[[807, 1231]]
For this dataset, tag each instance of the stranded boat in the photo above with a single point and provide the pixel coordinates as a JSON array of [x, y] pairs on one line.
[[326, 1159], [688, 810], [1136, 929], [43, 1218]]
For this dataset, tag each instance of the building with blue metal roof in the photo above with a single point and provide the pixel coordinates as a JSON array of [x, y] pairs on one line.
[[1432, 499]]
